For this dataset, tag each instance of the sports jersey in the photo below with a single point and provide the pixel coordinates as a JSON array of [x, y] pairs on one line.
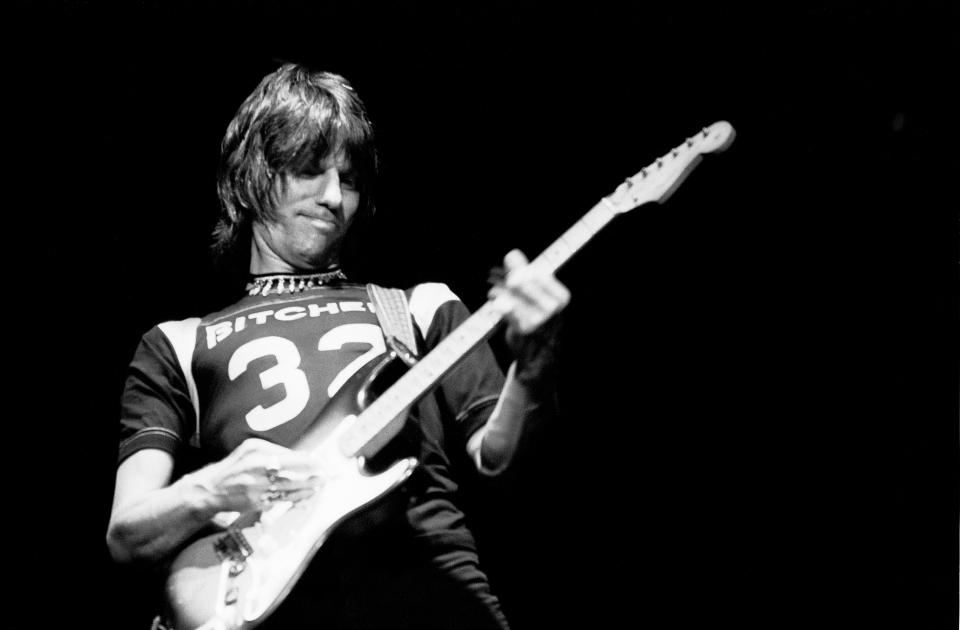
[[267, 365]]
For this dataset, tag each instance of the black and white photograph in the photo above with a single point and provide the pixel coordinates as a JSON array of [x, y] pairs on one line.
[[487, 315]]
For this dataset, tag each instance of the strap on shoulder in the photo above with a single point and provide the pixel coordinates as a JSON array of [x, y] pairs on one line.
[[393, 312]]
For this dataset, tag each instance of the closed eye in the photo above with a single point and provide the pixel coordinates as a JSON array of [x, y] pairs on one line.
[[348, 180]]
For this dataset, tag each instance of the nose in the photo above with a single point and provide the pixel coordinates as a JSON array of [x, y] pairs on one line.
[[329, 193]]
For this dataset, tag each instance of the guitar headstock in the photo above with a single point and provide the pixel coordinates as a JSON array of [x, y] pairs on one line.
[[657, 181]]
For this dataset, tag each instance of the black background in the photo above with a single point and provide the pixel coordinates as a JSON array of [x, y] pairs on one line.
[[759, 377]]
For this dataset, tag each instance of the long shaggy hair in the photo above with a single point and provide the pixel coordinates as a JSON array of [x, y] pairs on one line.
[[294, 120]]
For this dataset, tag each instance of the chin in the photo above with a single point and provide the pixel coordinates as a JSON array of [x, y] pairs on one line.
[[315, 261]]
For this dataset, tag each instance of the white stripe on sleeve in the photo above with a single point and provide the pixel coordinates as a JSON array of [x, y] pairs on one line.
[[183, 337]]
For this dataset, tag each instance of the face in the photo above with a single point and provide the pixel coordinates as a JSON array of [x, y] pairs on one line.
[[312, 217]]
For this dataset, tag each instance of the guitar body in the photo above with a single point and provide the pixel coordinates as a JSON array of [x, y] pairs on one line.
[[237, 577]]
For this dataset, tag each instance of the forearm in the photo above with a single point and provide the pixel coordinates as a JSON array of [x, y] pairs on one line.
[[151, 527], [152, 517], [522, 403]]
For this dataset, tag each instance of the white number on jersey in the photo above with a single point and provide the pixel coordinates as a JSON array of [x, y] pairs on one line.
[[288, 373], [352, 333]]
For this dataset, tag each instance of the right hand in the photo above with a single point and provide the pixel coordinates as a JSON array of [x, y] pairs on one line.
[[256, 473]]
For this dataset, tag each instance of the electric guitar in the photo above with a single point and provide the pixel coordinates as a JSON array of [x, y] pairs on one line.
[[235, 578]]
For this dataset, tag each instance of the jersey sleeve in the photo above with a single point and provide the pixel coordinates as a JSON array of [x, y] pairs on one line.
[[156, 408], [470, 390]]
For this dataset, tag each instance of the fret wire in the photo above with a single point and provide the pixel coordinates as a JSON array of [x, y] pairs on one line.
[[584, 224], [588, 230], [554, 259], [570, 249], [548, 257], [589, 217], [591, 222]]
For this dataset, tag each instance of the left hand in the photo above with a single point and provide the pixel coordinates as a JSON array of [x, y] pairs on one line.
[[530, 297]]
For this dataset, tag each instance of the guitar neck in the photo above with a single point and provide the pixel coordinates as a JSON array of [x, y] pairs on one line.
[[379, 422], [571, 241], [655, 183]]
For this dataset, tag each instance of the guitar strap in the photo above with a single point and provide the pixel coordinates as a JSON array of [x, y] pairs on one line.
[[393, 313]]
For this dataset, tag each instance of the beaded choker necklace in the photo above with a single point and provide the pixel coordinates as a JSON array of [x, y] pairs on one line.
[[291, 283]]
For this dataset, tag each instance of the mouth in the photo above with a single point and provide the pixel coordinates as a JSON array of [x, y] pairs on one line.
[[322, 221]]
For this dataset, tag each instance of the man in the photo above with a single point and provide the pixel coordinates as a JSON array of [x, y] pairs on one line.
[[237, 388]]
